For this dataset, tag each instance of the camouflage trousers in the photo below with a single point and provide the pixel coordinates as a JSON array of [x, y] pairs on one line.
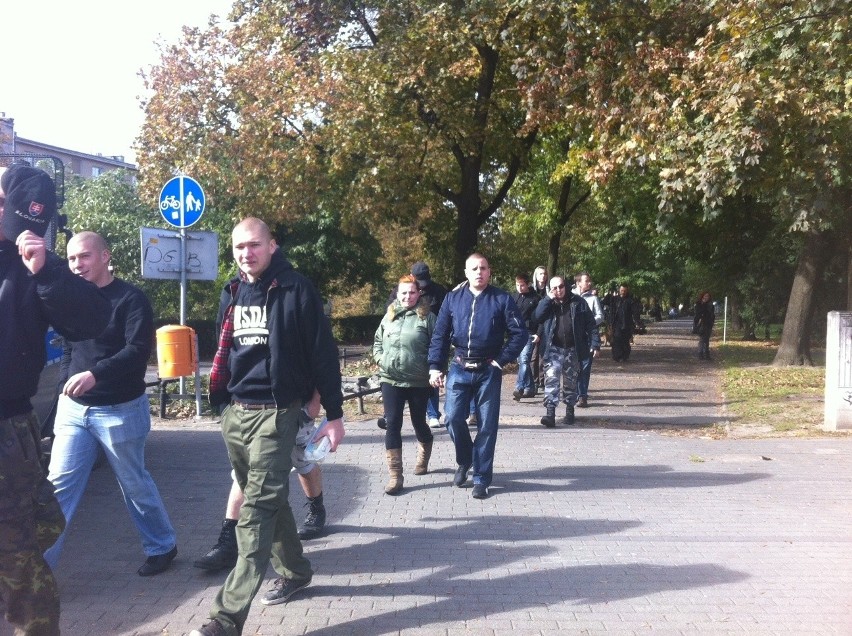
[[30, 522], [561, 366]]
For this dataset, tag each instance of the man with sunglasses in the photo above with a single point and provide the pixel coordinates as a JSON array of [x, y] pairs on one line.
[[569, 336]]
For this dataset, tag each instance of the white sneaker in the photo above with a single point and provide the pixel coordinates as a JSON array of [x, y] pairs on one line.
[[434, 422]]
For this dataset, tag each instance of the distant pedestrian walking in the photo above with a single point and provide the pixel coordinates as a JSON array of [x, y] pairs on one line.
[[702, 324], [526, 299], [584, 290], [622, 324]]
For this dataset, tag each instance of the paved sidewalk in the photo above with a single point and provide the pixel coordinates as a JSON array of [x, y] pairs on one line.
[[608, 527]]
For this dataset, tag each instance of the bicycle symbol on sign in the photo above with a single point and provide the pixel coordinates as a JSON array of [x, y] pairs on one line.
[[172, 202]]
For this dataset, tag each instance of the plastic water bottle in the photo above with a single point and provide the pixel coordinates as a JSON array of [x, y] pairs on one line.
[[316, 449]]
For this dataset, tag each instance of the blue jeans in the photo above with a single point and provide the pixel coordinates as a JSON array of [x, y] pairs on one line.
[[583, 378], [525, 382], [481, 388], [433, 408], [121, 430]]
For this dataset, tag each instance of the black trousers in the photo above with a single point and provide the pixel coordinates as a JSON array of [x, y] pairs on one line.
[[394, 398], [620, 344]]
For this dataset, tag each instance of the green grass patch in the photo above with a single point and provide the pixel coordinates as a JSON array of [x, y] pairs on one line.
[[786, 400]]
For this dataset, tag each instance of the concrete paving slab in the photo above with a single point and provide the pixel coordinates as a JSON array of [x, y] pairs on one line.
[[607, 527]]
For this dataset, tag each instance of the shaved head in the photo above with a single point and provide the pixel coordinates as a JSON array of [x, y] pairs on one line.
[[253, 223]]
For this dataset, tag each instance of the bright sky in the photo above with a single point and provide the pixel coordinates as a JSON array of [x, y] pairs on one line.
[[70, 73]]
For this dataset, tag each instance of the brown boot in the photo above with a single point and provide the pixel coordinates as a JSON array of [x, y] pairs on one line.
[[394, 486], [424, 452]]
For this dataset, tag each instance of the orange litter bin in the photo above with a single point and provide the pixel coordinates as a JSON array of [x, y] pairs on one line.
[[177, 354]]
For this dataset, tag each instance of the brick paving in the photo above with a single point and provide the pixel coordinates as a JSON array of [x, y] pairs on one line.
[[613, 526]]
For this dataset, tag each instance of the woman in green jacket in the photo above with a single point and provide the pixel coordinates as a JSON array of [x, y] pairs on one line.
[[400, 347]]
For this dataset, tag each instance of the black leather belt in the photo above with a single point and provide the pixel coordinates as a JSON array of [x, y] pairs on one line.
[[262, 406], [473, 364]]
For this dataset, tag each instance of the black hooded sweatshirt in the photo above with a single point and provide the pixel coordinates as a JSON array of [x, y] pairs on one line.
[[302, 353]]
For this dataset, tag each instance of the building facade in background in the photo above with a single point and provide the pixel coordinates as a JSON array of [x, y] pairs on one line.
[[79, 163]]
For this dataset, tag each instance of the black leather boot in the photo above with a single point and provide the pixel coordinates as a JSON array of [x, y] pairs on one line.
[[224, 553], [314, 522], [549, 420], [569, 415]]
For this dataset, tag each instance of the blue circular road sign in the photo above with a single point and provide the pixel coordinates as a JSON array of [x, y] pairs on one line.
[[181, 201]]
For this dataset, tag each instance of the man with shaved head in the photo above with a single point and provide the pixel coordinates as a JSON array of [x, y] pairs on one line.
[[276, 354], [104, 405]]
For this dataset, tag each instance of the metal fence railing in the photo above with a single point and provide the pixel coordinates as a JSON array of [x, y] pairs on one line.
[[363, 388]]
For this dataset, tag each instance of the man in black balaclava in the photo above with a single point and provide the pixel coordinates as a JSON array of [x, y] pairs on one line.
[[36, 289]]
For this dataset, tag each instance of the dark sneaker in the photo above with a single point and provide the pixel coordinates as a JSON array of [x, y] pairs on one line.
[[314, 521], [213, 628], [224, 553], [582, 401], [517, 395], [461, 476], [569, 416], [158, 563], [282, 590], [480, 491], [382, 423], [531, 393]]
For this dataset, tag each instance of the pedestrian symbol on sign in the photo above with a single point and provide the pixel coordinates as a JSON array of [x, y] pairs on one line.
[[181, 202]]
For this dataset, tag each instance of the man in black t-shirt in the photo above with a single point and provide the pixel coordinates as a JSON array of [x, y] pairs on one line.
[[104, 405]]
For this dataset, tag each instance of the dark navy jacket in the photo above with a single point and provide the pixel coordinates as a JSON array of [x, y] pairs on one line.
[[477, 326]]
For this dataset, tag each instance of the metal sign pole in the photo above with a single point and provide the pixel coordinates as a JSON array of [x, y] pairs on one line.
[[182, 257], [181, 204], [197, 380]]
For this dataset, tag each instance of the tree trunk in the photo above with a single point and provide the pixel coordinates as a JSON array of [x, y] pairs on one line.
[[565, 211], [467, 235], [736, 319], [795, 337], [553, 252]]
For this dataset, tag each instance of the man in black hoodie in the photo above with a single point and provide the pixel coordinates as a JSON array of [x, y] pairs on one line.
[[275, 349], [36, 289]]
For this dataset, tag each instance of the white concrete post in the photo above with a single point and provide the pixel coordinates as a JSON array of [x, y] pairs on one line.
[[838, 372]]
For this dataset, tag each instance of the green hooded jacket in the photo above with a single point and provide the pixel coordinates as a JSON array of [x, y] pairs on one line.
[[401, 345]]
